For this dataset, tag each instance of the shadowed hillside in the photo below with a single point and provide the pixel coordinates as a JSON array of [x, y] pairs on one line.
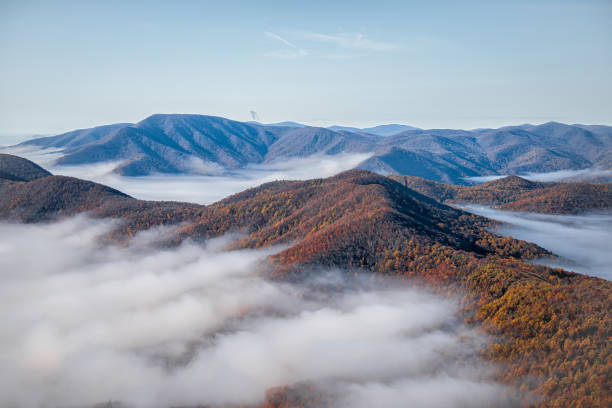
[[15, 168]]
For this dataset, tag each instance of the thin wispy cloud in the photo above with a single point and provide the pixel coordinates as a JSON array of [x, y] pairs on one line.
[[294, 52], [351, 40], [346, 41], [279, 38]]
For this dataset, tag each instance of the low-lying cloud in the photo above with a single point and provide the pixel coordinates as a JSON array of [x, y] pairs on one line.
[[215, 184], [206, 189], [43, 157], [84, 322], [586, 175], [581, 241]]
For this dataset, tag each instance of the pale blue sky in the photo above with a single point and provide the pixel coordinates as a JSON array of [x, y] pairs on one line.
[[66, 65]]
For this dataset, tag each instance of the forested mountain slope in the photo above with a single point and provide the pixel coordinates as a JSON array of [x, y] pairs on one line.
[[551, 328]]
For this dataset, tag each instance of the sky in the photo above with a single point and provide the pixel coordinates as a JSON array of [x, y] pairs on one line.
[[67, 65]]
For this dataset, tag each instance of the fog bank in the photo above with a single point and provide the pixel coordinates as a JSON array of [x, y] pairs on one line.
[[84, 323], [203, 183], [206, 189], [593, 174], [584, 242]]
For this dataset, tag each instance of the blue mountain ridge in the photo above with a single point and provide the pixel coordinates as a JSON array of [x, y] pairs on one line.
[[200, 144]]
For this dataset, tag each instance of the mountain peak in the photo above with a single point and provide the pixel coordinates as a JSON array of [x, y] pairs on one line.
[[164, 117]]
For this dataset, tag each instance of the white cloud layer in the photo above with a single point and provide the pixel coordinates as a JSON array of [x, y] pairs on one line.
[[43, 157], [208, 189], [207, 183], [574, 175], [84, 323], [582, 241]]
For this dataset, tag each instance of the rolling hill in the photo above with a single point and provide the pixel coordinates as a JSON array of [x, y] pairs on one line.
[[14, 168], [550, 328], [198, 144], [518, 194]]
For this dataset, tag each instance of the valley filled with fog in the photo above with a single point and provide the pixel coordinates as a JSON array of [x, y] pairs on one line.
[[285, 204], [582, 242], [206, 189], [196, 324], [212, 185], [586, 175]]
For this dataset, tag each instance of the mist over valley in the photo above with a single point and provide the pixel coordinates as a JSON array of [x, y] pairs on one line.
[[197, 324], [305, 204], [582, 242]]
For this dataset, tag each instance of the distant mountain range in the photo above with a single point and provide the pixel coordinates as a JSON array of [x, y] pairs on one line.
[[198, 144], [381, 130]]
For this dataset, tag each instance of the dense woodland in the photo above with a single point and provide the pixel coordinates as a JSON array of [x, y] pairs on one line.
[[518, 194], [551, 328]]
